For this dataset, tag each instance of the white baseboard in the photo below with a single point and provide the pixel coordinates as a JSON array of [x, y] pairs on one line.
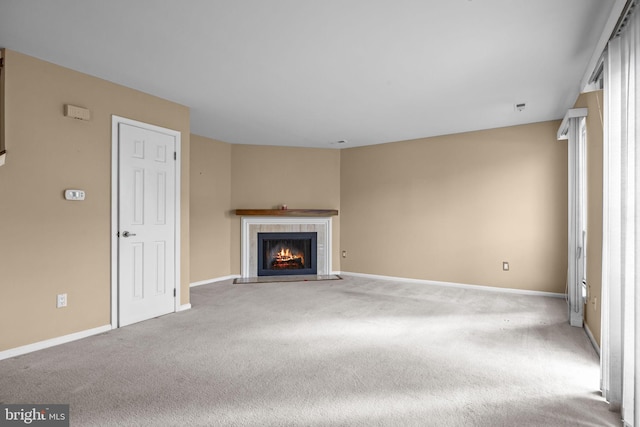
[[217, 279], [457, 285], [18, 351], [184, 307], [595, 345]]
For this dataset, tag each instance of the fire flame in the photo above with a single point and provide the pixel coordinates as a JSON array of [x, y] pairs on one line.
[[286, 255]]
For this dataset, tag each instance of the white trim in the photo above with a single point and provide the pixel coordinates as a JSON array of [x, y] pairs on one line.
[[245, 237], [576, 214], [458, 285], [563, 130], [41, 345], [115, 121], [114, 222], [184, 307], [595, 345], [217, 279]]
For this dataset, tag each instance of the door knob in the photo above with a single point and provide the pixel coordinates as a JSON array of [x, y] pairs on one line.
[[127, 234]]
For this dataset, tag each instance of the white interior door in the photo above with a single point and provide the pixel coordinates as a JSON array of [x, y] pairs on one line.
[[146, 223]]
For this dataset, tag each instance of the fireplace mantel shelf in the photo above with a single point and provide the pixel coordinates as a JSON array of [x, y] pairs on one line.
[[286, 212]]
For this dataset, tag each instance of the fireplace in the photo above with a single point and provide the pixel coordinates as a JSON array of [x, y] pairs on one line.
[[253, 225], [288, 253]]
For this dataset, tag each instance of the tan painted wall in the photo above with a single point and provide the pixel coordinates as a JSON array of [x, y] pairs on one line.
[[595, 135], [48, 245], [477, 199], [264, 177], [210, 208], [452, 208]]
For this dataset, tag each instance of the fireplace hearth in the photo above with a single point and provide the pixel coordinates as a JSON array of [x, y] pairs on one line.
[[288, 253]]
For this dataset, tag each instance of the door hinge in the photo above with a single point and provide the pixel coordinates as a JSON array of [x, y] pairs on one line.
[[118, 234], [174, 292], [175, 155]]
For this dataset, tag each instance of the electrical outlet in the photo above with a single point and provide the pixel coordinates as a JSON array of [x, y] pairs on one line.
[[61, 301], [344, 254], [505, 266]]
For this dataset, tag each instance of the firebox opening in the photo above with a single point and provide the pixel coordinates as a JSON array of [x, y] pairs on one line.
[[287, 254]]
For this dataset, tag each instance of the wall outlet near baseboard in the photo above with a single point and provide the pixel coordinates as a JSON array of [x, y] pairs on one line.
[[61, 300], [505, 266]]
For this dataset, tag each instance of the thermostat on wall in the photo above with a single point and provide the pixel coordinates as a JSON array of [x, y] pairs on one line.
[[74, 194]]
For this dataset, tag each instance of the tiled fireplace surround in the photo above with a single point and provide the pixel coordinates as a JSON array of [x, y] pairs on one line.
[[253, 225]]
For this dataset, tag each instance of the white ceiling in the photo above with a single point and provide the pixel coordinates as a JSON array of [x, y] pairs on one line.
[[310, 73]]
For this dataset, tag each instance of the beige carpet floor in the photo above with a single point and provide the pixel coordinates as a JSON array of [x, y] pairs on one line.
[[352, 352]]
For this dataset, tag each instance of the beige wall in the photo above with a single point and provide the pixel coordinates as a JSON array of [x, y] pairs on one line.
[[210, 208], [595, 134], [263, 177], [48, 245], [452, 208], [448, 208]]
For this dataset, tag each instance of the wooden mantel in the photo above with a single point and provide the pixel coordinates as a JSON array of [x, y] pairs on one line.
[[287, 212]]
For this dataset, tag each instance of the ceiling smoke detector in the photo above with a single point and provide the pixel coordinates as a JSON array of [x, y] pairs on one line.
[[519, 107]]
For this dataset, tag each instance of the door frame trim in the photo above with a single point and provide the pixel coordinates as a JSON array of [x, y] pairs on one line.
[[115, 122]]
